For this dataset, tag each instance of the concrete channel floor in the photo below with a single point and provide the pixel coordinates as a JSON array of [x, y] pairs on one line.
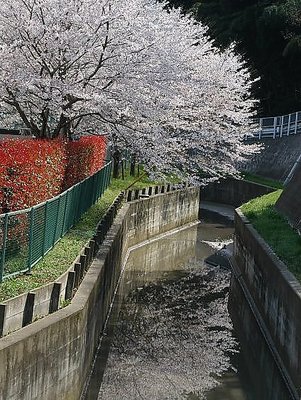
[[222, 256], [218, 208]]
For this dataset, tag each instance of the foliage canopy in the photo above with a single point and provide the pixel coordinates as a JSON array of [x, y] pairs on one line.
[[268, 35], [149, 78]]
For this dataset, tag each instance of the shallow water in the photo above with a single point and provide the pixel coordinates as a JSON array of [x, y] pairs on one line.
[[170, 336]]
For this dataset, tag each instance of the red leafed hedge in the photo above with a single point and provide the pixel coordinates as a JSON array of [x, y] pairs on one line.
[[32, 171], [84, 157]]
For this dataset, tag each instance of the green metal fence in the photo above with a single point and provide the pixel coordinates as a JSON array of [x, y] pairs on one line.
[[27, 235]]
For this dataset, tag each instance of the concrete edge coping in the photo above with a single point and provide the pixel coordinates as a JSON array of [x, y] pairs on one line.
[[190, 188], [280, 265], [269, 188], [80, 299], [272, 189], [241, 215]]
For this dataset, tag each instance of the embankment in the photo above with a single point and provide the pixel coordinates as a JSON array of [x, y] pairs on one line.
[[51, 358], [276, 159]]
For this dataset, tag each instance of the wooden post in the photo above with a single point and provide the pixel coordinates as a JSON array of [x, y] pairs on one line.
[[77, 271], [2, 318], [28, 309], [70, 285], [55, 297]]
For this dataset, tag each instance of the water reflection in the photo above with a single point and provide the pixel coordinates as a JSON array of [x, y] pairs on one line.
[[170, 335]]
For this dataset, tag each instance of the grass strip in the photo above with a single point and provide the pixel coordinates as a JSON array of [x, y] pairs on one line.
[[59, 259], [262, 181], [275, 230]]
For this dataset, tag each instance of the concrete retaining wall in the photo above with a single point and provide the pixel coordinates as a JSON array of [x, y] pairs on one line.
[[21, 310], [261, 369], [233, 192], [276, 159], [275, 296], [289, 203], [51, 358], [25, 308], [161, 213]]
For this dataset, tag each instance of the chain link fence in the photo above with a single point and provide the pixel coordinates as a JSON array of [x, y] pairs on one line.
[[27, 235]]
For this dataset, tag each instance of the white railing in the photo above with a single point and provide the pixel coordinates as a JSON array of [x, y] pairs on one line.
[[275, 127]]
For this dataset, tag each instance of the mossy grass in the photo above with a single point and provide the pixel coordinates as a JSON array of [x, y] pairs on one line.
[[59, 259], [262, 181], [275, 230]]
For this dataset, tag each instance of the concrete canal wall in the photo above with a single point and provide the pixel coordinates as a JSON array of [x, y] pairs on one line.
[[274, 296], [260, 367], [51, 358], [233, 192]]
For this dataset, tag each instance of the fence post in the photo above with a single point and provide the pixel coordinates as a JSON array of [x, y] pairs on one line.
[[56, 220], [281, 127], [45, 226], [101, 180], [260, 128], [99, 183], [30, 238], [96, 180], [77, 202], [275, 127], [105, 178], [109, 174], [4, 241], [289, 125], [64, 215]]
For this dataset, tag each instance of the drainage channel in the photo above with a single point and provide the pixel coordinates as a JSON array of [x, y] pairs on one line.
[[170, 335]]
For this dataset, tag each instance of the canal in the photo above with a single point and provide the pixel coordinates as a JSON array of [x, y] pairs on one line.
[[170, 335]]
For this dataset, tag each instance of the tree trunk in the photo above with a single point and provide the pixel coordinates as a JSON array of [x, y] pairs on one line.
[[116, 163], [133, 165]]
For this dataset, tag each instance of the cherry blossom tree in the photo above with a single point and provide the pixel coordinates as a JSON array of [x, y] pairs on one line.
[[148, 78]]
